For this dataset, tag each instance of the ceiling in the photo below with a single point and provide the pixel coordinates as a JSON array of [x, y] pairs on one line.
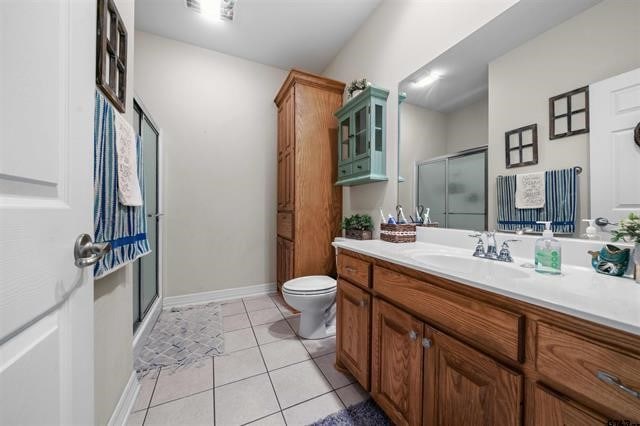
[[464, 67], [305, 34]]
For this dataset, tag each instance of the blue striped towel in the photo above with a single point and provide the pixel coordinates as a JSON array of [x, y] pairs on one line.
[[559, 207], [125, 227]]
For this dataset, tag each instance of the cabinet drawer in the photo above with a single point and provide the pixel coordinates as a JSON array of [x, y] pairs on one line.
[[487, 326], [355, 270], [602, 374], [551, 409], [344, 170], [285, 225], [361, 166]]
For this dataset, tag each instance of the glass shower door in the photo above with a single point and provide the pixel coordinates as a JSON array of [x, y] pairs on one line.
[[432, 189], [466, 184]]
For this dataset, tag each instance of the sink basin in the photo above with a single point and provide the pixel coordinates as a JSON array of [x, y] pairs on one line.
[[477, 267]]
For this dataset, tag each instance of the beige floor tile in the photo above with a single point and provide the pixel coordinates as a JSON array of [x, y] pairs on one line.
[[235, 322], [258, 303], [147, 383], [278, 330], [265, 316], [232, 308], [193, 410], [298, 382], [286, 310], [335, 377], [136, 419], [294, 322], [313, 410], [320, 347], [283, 352], [352, 394], [239, 339], [244, 401], [238, 365], [184, 381], [272, 420]]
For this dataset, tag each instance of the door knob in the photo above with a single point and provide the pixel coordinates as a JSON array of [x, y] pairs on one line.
[[87, 253]]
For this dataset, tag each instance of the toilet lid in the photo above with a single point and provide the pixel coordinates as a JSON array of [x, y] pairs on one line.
[[313, 284]]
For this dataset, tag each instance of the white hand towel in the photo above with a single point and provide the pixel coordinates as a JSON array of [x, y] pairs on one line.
[[129, 192], [530, 191]]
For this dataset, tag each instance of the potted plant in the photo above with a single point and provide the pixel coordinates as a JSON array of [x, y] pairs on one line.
[[358, 227], [629, 230], [356, 87]]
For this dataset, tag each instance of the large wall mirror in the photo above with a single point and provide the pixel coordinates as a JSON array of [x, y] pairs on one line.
[[530, 118]]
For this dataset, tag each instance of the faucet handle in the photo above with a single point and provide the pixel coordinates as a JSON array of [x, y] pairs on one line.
[[505, 254]]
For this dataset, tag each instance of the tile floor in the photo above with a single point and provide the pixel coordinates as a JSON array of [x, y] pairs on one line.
[[267, 376]]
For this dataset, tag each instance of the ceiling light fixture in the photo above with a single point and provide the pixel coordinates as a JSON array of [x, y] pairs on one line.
[[428, 79], [213, 9]]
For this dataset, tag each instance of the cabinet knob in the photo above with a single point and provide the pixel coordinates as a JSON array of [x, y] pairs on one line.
[[413, 335], [359, 166], [426, 343]]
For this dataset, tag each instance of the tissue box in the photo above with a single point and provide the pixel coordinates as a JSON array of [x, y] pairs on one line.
[[398, 233]]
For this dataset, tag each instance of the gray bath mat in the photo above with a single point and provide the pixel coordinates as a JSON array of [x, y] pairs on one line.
[[182, 336], [365, 413]]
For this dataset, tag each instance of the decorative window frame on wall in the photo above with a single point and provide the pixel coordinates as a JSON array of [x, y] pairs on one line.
[[565, 109], [111, 54], [521, 140]]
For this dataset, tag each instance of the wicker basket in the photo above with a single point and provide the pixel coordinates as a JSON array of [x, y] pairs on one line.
[[357, 234], [398, 233]]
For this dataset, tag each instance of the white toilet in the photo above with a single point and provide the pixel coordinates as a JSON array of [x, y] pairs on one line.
[[314, 296]]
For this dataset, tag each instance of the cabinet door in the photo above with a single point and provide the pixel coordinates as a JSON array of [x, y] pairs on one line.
[[464, 386], [361, 132], [284, 259], [554, 410], [396, 371], [344, 139], [353, 332], [286, 154]]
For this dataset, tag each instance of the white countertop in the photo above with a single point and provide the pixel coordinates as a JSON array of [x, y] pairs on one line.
[[578, 291]]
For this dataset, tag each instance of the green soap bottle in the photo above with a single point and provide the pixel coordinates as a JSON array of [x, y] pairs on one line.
[[548, 252]]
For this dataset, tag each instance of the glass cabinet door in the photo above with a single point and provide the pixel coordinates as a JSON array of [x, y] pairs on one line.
[[360, 132], [377, 127], [345, 137]]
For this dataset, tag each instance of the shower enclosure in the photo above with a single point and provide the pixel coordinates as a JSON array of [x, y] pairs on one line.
[[454, 188]]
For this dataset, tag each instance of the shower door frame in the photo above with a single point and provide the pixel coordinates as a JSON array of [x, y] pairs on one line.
[[446, 158], [143, 327]]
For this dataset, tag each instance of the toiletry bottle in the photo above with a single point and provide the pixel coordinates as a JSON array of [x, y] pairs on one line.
[[591, 231], [548, 251]]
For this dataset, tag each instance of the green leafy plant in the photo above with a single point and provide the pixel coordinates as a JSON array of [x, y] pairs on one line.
[[357, 85], [628, 229], [358, 222]]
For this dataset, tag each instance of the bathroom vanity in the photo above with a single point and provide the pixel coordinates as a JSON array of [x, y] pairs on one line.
[[491, 344]]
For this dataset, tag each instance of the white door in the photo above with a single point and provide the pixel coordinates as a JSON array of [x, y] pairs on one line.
[[614, 106], [47, 84]]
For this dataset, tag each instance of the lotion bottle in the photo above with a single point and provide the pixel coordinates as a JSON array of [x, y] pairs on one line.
[[548, 252]]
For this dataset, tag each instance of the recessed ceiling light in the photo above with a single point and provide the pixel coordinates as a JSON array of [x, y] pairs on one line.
[[216, 9], [428, 79]]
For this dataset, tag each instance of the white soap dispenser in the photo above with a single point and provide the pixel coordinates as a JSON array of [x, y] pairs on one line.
[[548, 252]]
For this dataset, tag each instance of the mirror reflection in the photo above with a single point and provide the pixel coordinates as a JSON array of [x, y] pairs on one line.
[[503, 132]]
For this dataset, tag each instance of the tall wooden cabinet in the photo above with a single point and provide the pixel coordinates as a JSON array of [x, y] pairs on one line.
[[309, 202]]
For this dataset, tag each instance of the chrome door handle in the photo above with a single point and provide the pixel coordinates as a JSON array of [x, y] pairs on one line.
[[613, 380], [155, 215], [87, 253]]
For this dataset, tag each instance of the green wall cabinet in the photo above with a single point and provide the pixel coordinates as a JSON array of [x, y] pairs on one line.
[[362, 144]]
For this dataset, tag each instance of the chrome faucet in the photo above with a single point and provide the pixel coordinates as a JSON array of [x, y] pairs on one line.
[[491, 251]]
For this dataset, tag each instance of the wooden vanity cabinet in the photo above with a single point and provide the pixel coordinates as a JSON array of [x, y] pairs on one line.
[[551, 409], [353, 331], [309, 207]]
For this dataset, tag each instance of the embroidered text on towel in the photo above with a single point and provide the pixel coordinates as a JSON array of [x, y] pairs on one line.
[[530, 191]]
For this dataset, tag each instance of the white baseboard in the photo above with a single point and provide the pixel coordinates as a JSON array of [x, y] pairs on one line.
[[219, 295], [126, 401], [145, 328]]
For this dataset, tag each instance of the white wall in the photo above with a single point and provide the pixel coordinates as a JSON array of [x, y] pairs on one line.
[[218, 124], [468, 127], [422, 136], [596, 44], [113, 295], [400, 37]]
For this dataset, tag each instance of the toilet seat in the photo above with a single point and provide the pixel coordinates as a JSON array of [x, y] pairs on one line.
[[311, 285]]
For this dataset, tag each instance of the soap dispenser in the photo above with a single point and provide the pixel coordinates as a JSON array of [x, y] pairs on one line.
[[548, 252]]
